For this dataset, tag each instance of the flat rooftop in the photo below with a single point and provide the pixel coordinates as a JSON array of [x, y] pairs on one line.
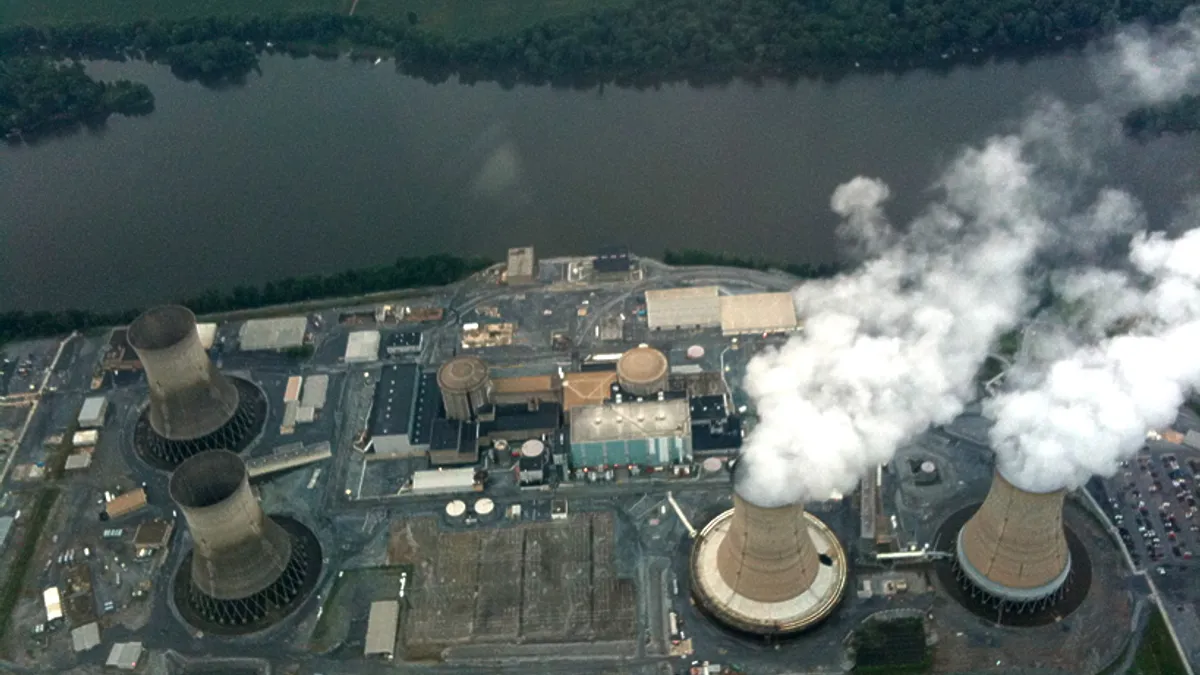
[[688, 307], [757, 313], [395, 392], [280, 333], [630, 421]]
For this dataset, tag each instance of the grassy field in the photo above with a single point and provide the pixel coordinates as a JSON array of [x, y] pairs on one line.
[[460, 18], [1157, 654], [352, 592], [14, 580]]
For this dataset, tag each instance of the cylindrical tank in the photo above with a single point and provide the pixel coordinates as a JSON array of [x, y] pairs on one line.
[[533, 448], [188, 397], [768, 570], [695, 352], [928, 467], [466, 386], [484, 506], [456, 508], [642, 371], [1014, 549], [712, 464], [237, 550]]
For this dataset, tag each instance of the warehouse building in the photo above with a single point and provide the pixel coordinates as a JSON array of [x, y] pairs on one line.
[[587, 388], [315, 389], [381, 629], [683, 308], [392, 412], [453, 443], [444, 481], [402, 342], [124, 655], [649, 433], [127, 503], [614, 260], [758, 313], [273, 334], [362, 347], [85, 637], [522, 266], [91, 415], [526, 390]]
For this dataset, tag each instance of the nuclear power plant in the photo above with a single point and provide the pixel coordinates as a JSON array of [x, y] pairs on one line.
[[466, 386], [245, 570], [768, 570], [1013, 554], [642, 371], [193, 407]]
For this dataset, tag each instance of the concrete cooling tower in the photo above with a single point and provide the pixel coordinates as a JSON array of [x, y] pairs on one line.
[[245, 570], [1013, 552], [769, 571], [192, 407]]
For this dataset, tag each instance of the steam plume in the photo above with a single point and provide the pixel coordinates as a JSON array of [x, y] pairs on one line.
[[894, 346]]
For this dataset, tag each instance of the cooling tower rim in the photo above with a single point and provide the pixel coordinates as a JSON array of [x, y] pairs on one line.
[[217, 467], [161, 327], [713, 534], [981, 580], [462, 374]]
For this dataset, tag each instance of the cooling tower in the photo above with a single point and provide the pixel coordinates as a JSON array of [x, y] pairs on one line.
[[768, 570], [245, 570], [1013, 552], [466, 386], [192, 407], [642, 371]]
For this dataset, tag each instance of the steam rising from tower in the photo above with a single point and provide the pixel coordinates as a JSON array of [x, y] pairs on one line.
[[1013, 551], [193, 407], [245, 569]]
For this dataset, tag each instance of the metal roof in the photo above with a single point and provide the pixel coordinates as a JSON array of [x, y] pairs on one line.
[[315, 389], [381, 627], [125, 655], [629, 421], [757, 313], [92, 412], [588, 388], [683, 307], [78, 460], [207, 333], [85, 637], [444, 480], [362, 346], [273, 333], [391, 413], [521, 263]]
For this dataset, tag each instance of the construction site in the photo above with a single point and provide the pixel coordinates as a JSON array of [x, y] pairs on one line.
[[535, 470]]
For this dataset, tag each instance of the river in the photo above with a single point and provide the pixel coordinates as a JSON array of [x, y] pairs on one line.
[[318, 166]]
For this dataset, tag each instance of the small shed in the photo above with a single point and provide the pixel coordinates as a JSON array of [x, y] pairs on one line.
[[91, 415], [86, 637], [381, 628]]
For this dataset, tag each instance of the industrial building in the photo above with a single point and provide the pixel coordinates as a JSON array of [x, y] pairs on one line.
[[529, 390], [193, 407], [613, 260], [85, 637], [1013, 552], [685, 308], [207, 333], [126, 503], [362, 347], [466, 386], [587, 388], [153, 534], [315, 389], [454, 443], [642, 371], [444, 481], [124, 655], [382, 623], [714, 429], [766, 570], [245, 570], [522, 266], [402, 342], [78, 461], [533, 462], [758, 313], [273, 334], [392, 412], [649, 433], [91, 415], [519, 422]]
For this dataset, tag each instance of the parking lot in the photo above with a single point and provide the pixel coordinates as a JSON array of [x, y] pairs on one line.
[[1153, 500]]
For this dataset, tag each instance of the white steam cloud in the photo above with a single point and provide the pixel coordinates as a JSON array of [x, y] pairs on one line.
[[1153, 67], [894, 346], [1091, 408]]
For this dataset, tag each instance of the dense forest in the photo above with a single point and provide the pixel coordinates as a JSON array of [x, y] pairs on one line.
[[801, 270], [410, 272], [38, 96], [1175, 117]]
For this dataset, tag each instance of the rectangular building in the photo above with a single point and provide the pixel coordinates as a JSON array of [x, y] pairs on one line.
[[444, 481], [381, 628], [362, 347], [273, 334], [126, 503], [402, 342], [522, 266], [153, 534], [613, 260], [683, 308], [758, 313], [453, 443], [525, 390], [650, 433], [53, 602], [85, 438], [91, 415], [78, 461], [315, 390], [85, 637], [292, 392], [587, 388], [207, 333], [124, 655], [392, 411]]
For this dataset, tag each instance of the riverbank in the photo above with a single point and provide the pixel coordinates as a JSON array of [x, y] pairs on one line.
[[41, 97]]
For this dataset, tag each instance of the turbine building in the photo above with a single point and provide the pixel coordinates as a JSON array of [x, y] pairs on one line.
[[193, 407]]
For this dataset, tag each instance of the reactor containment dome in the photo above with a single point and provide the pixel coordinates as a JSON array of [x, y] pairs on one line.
[[246, 571], [768, 571], [192, 407], [1013, 552], [466, 386], [642, 371]]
